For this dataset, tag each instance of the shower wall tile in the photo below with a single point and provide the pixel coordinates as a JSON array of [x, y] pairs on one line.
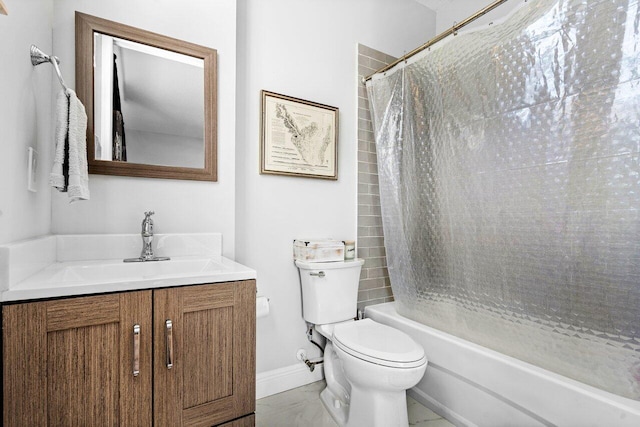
[[375, 286], [380, 293], [367, 178], [371, 242], [365, 125], [378, 252]]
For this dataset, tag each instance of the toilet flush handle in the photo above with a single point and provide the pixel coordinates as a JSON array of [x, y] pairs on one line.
[[319, 274]]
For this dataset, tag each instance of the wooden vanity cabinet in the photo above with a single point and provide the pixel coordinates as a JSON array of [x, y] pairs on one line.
[[71, 361], [212, 379]]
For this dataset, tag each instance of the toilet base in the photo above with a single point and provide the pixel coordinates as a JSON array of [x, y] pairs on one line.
[[386, 410], [377, 409], [337, 409]]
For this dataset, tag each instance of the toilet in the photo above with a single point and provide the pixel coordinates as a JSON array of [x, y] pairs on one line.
[[367, 366]]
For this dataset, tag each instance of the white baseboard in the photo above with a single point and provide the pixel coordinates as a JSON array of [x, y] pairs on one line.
[[287, 378]]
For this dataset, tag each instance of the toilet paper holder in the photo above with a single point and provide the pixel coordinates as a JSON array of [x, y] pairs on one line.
[[262, 306]]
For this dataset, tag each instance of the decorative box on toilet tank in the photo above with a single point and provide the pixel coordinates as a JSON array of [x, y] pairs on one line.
[[318, 250]]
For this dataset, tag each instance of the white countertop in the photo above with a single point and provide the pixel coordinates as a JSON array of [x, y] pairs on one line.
[[46, 268], [62, 279]]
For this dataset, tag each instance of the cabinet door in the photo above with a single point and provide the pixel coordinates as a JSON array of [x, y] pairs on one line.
[[205, 358], [71, 361], [248, 421]]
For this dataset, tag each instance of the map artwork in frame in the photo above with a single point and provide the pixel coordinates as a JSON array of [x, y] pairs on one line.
[[298, 137]]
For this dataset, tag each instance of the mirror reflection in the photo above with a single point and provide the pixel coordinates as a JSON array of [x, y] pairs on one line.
[[148, 104]]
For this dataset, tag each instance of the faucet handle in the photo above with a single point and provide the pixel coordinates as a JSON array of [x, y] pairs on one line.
[[147, 224]]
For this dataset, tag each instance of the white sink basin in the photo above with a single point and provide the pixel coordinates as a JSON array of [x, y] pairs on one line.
[[99, 271]]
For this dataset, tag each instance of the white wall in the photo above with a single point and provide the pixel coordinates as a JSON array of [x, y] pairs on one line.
[[25, 119], [306, 49], [450, 11], [117, 203]]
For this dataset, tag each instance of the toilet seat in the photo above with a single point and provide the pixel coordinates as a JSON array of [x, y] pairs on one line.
[[379, 344]]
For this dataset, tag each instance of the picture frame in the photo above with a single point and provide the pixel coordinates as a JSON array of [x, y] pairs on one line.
[[298, 137]]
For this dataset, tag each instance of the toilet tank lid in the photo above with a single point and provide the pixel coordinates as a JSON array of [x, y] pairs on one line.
[[329, 265], [378, 341]]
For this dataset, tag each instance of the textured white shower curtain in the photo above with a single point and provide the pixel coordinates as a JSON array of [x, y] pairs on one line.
[[509, 165]]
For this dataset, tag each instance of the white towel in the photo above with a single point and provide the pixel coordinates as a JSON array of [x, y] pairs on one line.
[[78, 169], [56, 178], [71, 128]]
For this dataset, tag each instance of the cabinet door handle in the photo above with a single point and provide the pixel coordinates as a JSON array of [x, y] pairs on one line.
[[169, 338], [136, 350]]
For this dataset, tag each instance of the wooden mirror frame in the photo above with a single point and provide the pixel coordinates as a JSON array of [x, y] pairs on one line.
[[86, 25]]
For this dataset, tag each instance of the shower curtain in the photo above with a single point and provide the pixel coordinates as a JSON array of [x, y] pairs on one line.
[[509, 167]]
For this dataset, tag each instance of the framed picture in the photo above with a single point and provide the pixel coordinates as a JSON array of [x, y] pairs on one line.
[[298, 137]]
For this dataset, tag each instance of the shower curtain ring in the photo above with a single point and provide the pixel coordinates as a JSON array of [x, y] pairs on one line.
[[454, 30]]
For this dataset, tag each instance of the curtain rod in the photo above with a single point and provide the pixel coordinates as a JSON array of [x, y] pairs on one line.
[[453, 30]]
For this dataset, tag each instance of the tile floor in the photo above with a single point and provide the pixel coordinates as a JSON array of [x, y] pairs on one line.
[[301, 407]]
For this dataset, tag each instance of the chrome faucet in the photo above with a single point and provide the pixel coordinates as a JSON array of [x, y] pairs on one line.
[[147, 236], [147, 239]]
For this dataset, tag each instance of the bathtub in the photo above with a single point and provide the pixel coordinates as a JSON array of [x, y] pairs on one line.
[[471, 385]]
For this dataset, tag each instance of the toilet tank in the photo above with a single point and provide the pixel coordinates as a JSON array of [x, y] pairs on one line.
[[329, 290]]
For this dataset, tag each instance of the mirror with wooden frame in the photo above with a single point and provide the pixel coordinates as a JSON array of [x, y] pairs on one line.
[[150, 100]]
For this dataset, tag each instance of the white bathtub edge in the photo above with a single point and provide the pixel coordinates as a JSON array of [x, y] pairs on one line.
[[544, 397]]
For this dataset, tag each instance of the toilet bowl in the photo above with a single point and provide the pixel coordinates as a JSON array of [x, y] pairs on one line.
[[379, 364], [368, 366]]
